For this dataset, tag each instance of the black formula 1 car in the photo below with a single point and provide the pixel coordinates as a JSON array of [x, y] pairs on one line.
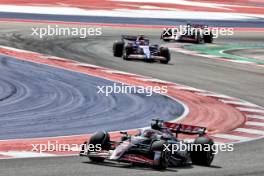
[[193, 33], [158, 146], [139, 47]]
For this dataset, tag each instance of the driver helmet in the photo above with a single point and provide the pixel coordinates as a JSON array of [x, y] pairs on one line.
[[150, 133], [189, 23], [141, 37], [142, 42]]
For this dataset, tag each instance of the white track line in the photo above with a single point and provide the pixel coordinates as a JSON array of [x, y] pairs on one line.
[[255, 123], [88, 65], [26, 154], [229, 136], [242, 103], [241, 61], [119, 72], [188, 88], [15, 49], [250, 131], [215, 95], [250, 110], [196, 53], [154, 80], [255, 116], [55, 58]]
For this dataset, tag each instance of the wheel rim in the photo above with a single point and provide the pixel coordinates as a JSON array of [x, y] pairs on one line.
[[166, 158]]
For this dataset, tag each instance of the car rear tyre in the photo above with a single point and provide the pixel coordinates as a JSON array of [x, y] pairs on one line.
[[164, 52], [208, 38], [205, 156], [118, 48], [103, 139], [128, 51], [163, 160], [199, 38]]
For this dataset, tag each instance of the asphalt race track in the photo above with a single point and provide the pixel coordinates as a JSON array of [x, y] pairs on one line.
[[237, 80], [40, 101]]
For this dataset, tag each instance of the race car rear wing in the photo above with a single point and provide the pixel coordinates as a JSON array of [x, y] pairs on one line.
[[185, 129], [199, 26], [133, 37], [129, 37]]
